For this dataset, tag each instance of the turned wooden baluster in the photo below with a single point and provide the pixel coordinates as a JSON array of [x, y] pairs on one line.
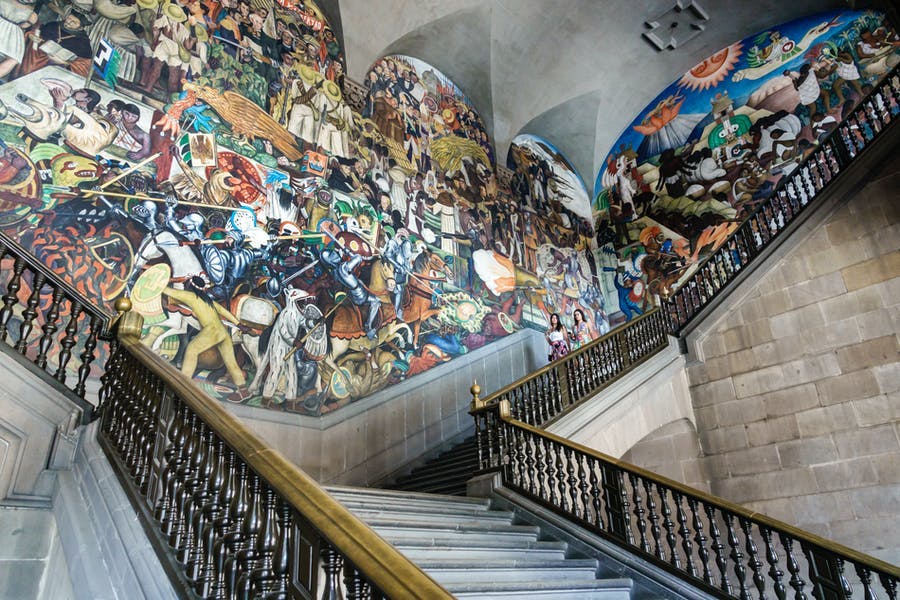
[[583, 485], [30, 312], [227, 543], [11, 297], [753, 559], [700, 539], [332, 563], [655, 531], [219, 522], [890, 585], [596, 496], [260, 556], [198, 492], [535, 475], [51, 321], [685, 532], [865, 577], [69, 340], [245, 539], [179, 475], [88, 355], [719, 549], [737, 557], [561, 476], [796, 580], [179, 540], [171, 461], [572, 463], [207, 506], [549, 469], [639, 511], [356, 585], [669, 526], [775, 573], [277, 587]]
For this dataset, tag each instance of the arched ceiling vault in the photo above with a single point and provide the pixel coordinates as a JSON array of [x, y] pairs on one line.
[[574, 72]]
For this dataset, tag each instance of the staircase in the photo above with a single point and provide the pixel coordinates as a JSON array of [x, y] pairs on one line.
[[447, 473], [476, 552]]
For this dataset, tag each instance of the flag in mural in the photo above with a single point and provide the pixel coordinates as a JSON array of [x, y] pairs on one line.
[[106, 62]]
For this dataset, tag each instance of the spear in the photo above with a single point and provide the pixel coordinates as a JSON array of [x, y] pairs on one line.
[[132, 169]]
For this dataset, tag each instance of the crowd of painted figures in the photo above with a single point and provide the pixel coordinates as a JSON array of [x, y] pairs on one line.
[[284, 249], [714, 145], [288, 251]]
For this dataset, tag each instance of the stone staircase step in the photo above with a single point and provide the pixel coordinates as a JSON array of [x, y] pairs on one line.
[[388, 527], [582, 589], [500, 570], [439, 501], [471, 552], [419, 515], [437, 474]]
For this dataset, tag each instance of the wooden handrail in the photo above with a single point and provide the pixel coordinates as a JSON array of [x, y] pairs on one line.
[[717, 501], [709, 542], [379, 562]]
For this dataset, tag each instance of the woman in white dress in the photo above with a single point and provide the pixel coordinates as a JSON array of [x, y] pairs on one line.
[[15, 19]]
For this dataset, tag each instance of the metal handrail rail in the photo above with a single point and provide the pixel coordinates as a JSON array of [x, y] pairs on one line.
[[379, 563], [584, 483]]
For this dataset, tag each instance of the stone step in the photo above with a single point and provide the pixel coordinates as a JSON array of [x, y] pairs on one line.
[[451, 488], [580, 589], [417, 554], [458, 532], [414, 514], [424, 507], [506, 570], [439, 501], [437, 474], [453, 466]]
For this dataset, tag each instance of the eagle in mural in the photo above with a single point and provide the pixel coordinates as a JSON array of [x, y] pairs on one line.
[[246, 118]]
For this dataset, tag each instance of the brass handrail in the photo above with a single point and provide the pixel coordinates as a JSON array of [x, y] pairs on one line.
[[380, 563], [668, 523]]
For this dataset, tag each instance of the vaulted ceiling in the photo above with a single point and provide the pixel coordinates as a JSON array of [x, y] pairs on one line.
[[575, 72]]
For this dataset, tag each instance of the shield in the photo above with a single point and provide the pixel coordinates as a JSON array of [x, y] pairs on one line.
[[214, 262], [316, 345]]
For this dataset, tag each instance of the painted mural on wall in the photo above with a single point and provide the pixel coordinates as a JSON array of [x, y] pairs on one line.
[[714, 144], [551, 198], [284, 250]]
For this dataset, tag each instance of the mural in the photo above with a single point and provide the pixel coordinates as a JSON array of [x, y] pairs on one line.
[[552, 201], [285, 250], [714, 144]]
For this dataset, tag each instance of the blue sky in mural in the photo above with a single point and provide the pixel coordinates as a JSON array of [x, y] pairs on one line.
[[573, 193], [737, 69]]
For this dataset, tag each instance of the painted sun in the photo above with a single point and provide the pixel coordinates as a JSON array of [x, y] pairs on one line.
[[712, 70]]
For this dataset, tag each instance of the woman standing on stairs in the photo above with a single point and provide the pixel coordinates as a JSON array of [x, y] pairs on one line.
[[557, 338], [581, 333]]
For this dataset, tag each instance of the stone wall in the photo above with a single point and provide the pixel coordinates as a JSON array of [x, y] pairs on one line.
[[672, 451], [797, 397], [388, 432]]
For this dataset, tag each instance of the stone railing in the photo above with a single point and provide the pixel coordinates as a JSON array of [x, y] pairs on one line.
[[716, 546], [796, 192]]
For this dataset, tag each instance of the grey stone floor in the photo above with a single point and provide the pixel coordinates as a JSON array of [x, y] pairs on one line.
[[31, 563]]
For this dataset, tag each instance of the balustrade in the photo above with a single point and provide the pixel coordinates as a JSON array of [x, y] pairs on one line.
[[717, 546], [548, 392], [49, 323], [237, 519], [794, 192]]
